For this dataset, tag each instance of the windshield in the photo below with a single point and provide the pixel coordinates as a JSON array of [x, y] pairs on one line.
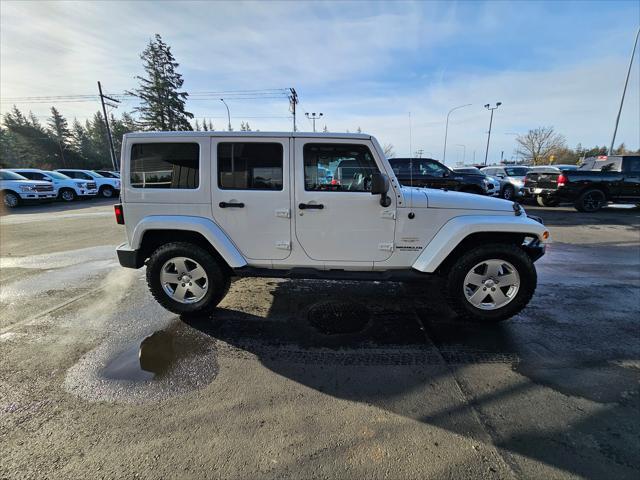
[[473, 170], [7, 175], [57, 175], [516, 171], [97, 174]]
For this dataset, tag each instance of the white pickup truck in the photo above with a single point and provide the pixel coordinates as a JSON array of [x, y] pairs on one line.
[[202, 207], [64, 187], [107, 187], [15, 189]]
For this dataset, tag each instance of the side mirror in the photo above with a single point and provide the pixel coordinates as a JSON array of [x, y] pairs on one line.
[[380, 186]]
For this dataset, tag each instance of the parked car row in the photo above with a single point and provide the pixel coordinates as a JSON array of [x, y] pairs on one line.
[[19, 185], [505, 182]]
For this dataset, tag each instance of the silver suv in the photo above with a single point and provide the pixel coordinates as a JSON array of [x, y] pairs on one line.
[[202, 207]]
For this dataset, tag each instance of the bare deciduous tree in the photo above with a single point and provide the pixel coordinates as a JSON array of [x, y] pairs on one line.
[[389, 152], [539, 144]]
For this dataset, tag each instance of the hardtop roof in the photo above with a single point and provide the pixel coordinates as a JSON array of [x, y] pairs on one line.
[[354, 136]]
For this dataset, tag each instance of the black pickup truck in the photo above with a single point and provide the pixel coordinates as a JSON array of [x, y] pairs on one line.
[[599, 180], [429, 173]]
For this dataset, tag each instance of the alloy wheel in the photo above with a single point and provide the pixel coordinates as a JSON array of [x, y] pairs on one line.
[[184, 280], [491, 284]]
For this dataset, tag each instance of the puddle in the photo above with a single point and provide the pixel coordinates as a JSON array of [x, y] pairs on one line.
[[338, 318], [171, 361]]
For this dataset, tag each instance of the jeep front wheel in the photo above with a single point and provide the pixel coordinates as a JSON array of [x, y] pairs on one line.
[[491, 283], [185, 278]]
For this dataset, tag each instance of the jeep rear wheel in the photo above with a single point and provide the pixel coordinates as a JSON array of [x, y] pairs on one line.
[[591, 201], [491, 283], [185, 278]]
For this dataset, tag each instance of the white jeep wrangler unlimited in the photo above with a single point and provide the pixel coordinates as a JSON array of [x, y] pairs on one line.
[[202, 207]]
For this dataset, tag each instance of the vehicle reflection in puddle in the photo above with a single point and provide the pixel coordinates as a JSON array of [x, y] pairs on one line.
[[171, 361], [153, 357]]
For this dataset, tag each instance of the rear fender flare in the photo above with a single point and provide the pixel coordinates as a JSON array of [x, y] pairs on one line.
[[204, 226]]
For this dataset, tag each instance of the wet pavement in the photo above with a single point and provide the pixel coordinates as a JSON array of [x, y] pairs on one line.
[[316, 379]]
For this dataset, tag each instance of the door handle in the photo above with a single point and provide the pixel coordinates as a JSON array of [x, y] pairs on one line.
[[309, 206], [231, 205]]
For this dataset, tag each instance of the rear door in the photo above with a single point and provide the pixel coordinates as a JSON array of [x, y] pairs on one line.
[[341, 221], [251, 194]]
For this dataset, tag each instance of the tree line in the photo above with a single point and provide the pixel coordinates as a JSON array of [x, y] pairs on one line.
[[544, 146]]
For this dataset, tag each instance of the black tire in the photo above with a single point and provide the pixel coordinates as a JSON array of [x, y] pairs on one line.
[[219, 281], [590, 201], [508, 193], [10, 199], [547, 201], [107, 192], [67, 195], [454, 288]]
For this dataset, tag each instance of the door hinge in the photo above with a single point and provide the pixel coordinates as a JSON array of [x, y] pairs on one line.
[[388, 247], [282, 245], [283, 212], [389, 214]]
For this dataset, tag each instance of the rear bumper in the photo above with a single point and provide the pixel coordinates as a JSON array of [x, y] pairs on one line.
[[128, 257]]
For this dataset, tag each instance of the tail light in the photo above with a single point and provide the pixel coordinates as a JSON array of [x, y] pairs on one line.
[[562, 180], [119, 214]]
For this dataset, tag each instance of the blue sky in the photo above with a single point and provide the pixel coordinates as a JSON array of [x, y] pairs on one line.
[[363, 64]]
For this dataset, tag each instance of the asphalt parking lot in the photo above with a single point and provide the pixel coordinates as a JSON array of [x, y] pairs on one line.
[[98, 381]]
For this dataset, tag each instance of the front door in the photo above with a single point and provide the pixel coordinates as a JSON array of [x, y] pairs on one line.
[[336, 216], [251, 195]]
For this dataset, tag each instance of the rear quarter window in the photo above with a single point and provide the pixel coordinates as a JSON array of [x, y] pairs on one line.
[[165, 165]]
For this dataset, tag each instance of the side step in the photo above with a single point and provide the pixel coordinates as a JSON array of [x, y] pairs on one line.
[[314, 274]]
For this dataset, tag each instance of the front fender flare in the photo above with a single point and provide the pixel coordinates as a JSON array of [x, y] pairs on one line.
[[204, 226], [457, 229]]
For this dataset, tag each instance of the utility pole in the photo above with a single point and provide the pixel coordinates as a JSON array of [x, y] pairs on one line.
[[489, 107], [228, 114], [313, 117], [624, 91], [293, 101], [114, 163], [446, 131]]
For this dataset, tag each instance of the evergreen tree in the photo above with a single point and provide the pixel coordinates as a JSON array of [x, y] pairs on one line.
[[211, 129], [204, 125], [162, 103], [59, 131], [197, 126]]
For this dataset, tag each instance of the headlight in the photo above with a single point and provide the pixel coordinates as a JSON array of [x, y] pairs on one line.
[[81, 184], [27, 188], [517, 183]]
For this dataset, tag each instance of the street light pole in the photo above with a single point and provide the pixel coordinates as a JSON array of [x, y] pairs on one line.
[[313, 117], [464, 152], [446, 131], [624, 91], [228, 114], [489, 107]]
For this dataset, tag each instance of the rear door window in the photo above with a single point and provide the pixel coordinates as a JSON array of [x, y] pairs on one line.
[[250, 166], [165, 165]]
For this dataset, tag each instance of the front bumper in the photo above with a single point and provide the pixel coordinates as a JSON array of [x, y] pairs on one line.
[[535, 249], [37, 195], [84, 192], [129, 257]]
